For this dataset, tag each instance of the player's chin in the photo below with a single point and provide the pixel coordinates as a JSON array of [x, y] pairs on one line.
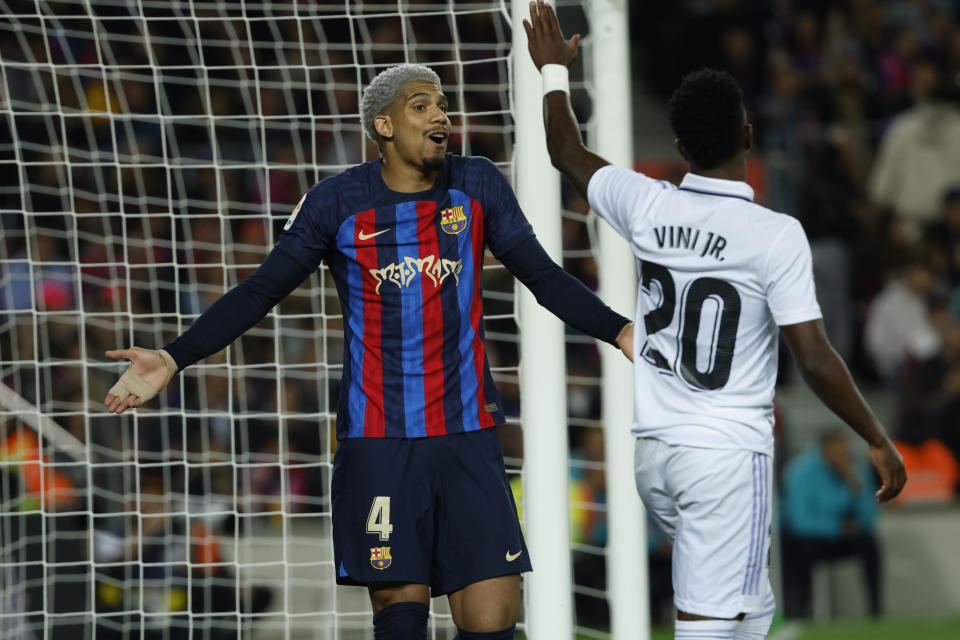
[[435, 160]]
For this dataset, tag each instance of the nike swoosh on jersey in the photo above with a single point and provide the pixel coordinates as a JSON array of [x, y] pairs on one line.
[[513, 556], [367, 236]]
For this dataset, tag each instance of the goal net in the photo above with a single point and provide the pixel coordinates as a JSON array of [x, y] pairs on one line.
[[150, 152]]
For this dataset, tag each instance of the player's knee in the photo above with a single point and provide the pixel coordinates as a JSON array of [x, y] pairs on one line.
[[384, 595], [401, 621], [487, 622], [503, 634]]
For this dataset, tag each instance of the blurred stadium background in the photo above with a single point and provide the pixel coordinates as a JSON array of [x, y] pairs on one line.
[[150, 155]]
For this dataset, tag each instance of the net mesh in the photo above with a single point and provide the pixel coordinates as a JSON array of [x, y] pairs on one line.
[[150, 152]]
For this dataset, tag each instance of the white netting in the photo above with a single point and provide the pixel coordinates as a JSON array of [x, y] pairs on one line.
[[149, 152]]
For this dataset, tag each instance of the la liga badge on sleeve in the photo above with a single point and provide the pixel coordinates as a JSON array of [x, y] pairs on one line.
[[380, 557]]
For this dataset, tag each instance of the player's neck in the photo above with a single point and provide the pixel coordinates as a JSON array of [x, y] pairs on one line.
[[404, 178], [733, 169]]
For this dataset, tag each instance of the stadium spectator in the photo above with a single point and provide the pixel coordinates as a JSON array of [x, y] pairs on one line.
[[944, 412], [828, 210], [160, 543], [829, 512], [919, 156], [943, 235], [898, 326], [51, 287], [934, 468]]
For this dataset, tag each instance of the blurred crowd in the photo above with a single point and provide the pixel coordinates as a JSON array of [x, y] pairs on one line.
[[157, 161], [856, 108]]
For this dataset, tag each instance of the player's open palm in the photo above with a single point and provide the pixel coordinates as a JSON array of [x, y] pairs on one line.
[[889, 464], [545, 41], [150, 370]]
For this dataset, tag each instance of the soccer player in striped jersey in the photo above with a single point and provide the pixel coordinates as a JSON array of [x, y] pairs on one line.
[[720, 278], [421, 502]]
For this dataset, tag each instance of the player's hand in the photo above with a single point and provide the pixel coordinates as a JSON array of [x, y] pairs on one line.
[[625, 340], [150, 370], [545, 41], [889, 465]]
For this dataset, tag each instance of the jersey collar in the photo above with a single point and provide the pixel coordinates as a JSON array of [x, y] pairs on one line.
[[717, 187]]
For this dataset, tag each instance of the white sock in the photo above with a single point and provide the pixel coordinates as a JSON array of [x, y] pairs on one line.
[[705, 629], [755, 626]]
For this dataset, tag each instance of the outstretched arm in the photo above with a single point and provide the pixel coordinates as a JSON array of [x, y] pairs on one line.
[[227, 319], [824, 370], [547, 46], [566, 297]]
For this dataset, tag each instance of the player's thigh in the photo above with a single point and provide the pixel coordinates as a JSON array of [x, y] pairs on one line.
[[383, 522], [722, 543], [384, 594], [487, 606], [649, 460], [478, 533]]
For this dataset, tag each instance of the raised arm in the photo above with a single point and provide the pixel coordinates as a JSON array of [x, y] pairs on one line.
[[825, 373], [227, 319], [566, 297], [551, 54]]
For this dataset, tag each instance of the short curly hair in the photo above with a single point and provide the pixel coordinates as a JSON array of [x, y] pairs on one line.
[[384, 90], [706, 113]]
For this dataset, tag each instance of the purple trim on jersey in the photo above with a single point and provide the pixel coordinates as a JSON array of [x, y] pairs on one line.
[[411, 303], [715, 193], [469, 384], [753, 524], [751, 583], [356, 399], [764, 506]]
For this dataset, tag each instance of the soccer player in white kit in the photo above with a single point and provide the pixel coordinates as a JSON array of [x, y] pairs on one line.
[[720, 277]]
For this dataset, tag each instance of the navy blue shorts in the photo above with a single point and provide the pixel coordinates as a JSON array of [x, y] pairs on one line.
[[435, 511]]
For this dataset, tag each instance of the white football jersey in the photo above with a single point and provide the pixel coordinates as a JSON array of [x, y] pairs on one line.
[[718, 275]]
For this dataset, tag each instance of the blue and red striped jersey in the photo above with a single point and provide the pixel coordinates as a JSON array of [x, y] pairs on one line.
[[408, 272]]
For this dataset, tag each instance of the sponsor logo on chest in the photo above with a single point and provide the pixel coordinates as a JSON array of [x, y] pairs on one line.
[[434, 267]]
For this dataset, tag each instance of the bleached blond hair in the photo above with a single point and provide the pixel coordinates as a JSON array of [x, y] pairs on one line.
[[386, 88]]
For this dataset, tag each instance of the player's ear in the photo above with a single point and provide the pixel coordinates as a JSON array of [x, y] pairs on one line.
[[748, 137], [681, 150], [384, 126]]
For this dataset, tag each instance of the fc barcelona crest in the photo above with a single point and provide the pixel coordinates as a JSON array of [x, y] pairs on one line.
[[380, 557], [453, 220]]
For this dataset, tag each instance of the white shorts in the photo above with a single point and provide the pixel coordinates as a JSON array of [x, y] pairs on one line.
[[714, 505]]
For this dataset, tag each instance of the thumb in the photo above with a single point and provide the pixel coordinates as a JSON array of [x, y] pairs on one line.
[[121, 354]]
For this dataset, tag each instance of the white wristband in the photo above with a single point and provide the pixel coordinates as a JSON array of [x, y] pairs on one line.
[[556, 77]]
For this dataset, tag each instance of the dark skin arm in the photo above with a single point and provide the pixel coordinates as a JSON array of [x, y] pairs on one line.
[[825, 373], [547, 45]]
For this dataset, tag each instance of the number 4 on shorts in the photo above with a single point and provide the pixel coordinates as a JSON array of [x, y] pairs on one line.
[[378, 521]]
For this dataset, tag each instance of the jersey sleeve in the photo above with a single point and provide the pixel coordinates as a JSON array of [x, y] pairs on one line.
[[310, 231], [791, 294], [505, 225], [620, 196]]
